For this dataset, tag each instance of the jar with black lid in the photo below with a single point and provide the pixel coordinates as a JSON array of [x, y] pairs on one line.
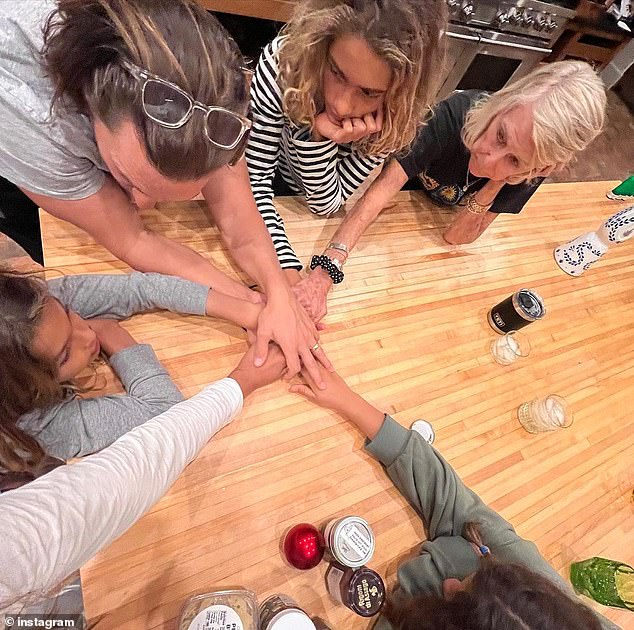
[[361, 590]]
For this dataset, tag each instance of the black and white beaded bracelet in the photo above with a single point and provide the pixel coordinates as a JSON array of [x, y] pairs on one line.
[[336, 275]]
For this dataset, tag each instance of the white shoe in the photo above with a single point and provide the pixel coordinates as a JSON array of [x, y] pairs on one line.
[[425, 430]]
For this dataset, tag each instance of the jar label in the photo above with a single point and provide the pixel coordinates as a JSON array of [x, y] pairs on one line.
[[356, 543], [217, 618]]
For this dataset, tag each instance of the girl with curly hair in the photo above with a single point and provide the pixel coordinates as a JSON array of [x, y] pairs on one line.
[[345, 84]]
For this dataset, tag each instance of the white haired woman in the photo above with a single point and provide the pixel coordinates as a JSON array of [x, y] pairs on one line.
[[484, 154]]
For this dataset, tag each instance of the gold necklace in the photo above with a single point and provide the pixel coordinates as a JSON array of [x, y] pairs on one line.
[[467, 184]]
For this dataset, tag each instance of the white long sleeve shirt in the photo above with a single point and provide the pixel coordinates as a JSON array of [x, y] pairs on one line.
[[324, 172], [50, 527]]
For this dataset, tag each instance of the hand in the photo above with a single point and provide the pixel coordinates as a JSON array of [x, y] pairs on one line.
[[251, 378], [340, 398], [111, 335], [312, 293], [249, 295], [333, 397], [350, 130], [284, 321]]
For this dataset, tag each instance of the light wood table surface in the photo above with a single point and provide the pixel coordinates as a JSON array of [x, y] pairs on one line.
[[408, 330], [280, 10]]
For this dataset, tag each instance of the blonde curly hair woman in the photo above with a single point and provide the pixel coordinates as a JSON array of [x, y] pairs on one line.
[[346, 83]]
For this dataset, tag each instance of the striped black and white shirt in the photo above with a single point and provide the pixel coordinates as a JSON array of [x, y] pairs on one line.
[[324, 172]]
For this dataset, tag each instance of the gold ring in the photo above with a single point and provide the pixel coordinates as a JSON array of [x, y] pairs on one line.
[[315, 347]]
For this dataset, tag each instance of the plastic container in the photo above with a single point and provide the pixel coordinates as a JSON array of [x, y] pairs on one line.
[[220, 610]]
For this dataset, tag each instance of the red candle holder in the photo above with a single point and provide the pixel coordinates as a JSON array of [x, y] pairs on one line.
[[304, 546]]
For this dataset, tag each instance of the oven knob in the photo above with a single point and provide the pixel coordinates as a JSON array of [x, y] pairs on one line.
[[539, 24], [527, 19], [501, 18], [551, 25], [453, 5], [467, 10], [515, 18]]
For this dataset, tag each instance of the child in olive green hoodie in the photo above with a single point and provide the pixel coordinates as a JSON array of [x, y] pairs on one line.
[[473, 572]]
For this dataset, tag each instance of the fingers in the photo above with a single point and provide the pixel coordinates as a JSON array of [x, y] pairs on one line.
[[261, 348], [370, 124], [309, 327], [292, 362], [309, 380], [303, 390], [378, 119], [348, 126], [312, 369], [326, 128], [320, 355]]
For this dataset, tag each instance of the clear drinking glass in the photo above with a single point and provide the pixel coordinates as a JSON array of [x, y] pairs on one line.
[[545, 414], [509, 347]]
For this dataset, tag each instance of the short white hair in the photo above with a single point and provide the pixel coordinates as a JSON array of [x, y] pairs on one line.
[[568, 101]]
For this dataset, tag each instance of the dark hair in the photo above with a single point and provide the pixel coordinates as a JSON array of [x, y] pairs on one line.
[[501, 596], [26, 381], [86, 41]]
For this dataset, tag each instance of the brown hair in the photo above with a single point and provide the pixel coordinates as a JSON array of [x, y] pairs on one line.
[[86, 41], [501, 596], [407, 34], [26, 381]]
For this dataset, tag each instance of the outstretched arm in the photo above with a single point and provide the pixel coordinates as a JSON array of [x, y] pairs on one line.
[[313, 291], [113, 222]]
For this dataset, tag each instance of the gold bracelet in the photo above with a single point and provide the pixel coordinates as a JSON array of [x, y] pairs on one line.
[[476, 208]]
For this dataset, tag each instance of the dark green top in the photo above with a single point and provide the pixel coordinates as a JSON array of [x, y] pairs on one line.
[[445, 504]]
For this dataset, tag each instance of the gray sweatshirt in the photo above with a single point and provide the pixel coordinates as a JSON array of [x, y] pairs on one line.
[[445, 504], [80, 426]]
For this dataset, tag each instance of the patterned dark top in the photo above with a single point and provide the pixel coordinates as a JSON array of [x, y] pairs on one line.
[[441, 159]]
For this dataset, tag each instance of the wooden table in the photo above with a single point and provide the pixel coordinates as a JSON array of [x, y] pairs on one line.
[[408, 330], [279, 10]]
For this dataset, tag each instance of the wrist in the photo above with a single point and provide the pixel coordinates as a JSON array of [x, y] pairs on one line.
[[321, 276], [245, 382], [250, 315], [110, 348], [336, 253], [333, 267], [293, 276]]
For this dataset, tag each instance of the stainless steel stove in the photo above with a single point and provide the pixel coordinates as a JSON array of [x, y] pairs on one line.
[[493, 42]]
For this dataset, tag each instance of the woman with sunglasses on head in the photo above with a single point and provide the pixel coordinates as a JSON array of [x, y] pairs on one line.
[[485, 154], [473, 572], [346, 83], [108, 106]]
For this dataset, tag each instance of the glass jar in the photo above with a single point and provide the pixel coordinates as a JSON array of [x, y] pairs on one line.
[[545, 414], [280, 612], [350, 541], [361, 590]]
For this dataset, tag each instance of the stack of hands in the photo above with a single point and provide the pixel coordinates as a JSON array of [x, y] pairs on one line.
[[315, 382], [334, 394]]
